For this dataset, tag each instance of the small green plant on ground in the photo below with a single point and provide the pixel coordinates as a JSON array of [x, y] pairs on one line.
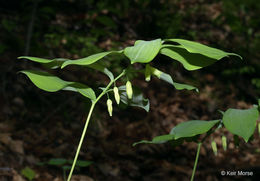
[[28, 173], [64, 164], [191, 55]]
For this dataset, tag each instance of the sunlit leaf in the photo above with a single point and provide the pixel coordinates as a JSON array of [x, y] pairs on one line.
[[36, 59], [193, 55], [195, 47], [192, 128], [50, 83], [88, 60], [143, 51], [50, 63], [241, 122]]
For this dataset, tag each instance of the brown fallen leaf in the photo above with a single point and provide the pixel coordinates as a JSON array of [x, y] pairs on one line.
[[14, 145], [81, 178], [17, 177]]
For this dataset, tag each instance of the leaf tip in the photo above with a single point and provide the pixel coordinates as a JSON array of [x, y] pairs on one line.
[[64, 65], [134, 144], [21, 57]]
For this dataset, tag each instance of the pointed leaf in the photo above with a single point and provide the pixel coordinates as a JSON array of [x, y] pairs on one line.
[[183, 130], [36, 59], [45, 81], [88, 60], [190, 61], [143, 51], [192, 128], [54, 63], [81, 88], [195, 47], [102, 68], [81, 163], [167, 78], [50, 83], [137, 100], [157, 140], [241, 122], [57, 161]]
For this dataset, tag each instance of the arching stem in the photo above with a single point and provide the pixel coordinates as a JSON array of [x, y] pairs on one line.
[[87, 122]]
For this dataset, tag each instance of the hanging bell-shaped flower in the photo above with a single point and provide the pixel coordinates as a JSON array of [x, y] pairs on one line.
[[129, 90], [116, 95], [147, 73], [109, 107], [224, 142], [214, 147]]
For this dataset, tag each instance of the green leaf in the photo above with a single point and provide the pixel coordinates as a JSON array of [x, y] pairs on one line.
[[183, 130], [157, 140], [195, 47], [88, 60], [81, 163], [102, 68], [50, 83], [167, 78], [190, 61], [28, 173], [36, 59], [53, 64], [192, 128], [66, 167], [143, 51], [241, 122], [259, 102], [137, 100], [57, 161], [82, 89], [56, 63]]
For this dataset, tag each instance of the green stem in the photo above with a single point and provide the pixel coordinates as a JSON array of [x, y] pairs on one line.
[[81, 140], [87, 122], [196, 162]]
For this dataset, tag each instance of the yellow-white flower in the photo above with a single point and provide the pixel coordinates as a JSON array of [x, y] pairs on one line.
[[214, 147], [109, 107], [147, 73], [116, 95], [129, 90], [224, 142]]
